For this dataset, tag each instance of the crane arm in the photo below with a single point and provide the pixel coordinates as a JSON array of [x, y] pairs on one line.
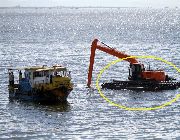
[[108, 50]]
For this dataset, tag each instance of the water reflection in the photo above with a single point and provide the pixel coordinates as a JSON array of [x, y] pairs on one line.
[[53, 107], [57, 107]]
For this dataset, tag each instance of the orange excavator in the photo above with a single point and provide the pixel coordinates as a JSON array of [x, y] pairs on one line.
[[139, 77]]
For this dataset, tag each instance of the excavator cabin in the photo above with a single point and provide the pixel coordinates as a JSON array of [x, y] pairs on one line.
[[138, 72]]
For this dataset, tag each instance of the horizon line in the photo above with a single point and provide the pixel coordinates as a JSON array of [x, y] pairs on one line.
[[18, 6]]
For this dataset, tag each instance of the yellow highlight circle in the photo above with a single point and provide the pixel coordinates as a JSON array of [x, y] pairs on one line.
[[142, 108]]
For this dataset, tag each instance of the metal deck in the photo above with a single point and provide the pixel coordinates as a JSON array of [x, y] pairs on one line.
[[141, 85]]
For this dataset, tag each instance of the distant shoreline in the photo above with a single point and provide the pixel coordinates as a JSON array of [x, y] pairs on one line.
[[59, 7]]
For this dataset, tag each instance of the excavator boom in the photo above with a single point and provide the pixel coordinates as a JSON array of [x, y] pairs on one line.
[[108, 50]]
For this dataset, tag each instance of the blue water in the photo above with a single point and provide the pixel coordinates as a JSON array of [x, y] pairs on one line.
[[38, 36]]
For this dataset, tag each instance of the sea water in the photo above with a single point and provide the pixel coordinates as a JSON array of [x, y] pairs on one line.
[[47, 36]]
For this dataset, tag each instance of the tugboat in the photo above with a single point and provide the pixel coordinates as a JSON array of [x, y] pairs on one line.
[[40, 84], [139, 77]]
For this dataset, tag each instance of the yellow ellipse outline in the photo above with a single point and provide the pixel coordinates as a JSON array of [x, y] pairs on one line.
[[142, 108]]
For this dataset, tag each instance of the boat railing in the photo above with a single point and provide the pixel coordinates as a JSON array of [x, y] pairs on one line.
[[16, 81], [39, 82], [63, 74]]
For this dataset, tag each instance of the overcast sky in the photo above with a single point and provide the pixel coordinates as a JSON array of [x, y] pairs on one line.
[[81, 3]]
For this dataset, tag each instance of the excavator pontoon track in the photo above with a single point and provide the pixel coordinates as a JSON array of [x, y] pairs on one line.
[[141, 85]]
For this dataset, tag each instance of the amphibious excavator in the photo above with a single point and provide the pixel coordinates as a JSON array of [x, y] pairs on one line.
[[139, 77]]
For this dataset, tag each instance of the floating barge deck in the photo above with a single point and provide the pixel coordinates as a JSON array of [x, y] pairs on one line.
[[141, 85]]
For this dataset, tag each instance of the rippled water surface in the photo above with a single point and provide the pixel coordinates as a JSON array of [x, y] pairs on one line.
[[38, 36]]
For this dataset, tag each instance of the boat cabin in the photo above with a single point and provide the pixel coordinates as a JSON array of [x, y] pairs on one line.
[[43, 75]]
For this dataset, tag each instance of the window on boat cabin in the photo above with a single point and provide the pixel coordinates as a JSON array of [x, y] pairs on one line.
[[46, 73], [29, 75], [41, 74], [25, 74], [38, 74]]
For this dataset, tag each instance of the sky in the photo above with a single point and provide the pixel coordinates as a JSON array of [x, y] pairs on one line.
[[92, 3]]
